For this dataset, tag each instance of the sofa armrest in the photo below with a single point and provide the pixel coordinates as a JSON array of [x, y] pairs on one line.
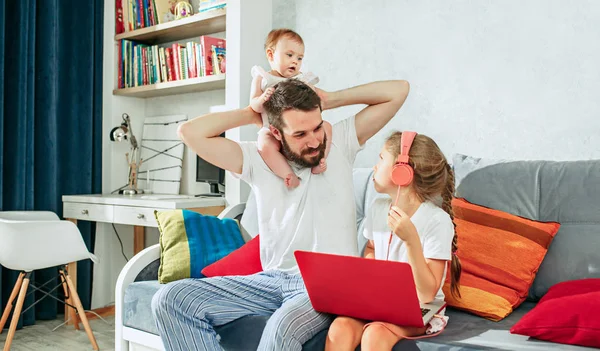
[[233, 211], [140, 261], [127, 276]]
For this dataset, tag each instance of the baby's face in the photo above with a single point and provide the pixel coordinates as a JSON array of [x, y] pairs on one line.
[[287, 57]]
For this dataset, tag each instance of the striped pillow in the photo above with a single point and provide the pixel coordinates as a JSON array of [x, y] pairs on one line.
[[190, 241], [500, 255]]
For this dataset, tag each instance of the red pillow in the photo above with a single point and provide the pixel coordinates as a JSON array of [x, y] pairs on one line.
[[567, 314], [243, 261]]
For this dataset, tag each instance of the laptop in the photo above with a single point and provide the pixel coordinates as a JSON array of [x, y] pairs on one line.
[[368, 289]]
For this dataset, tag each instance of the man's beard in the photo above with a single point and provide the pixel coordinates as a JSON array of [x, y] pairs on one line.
[[301, 159]]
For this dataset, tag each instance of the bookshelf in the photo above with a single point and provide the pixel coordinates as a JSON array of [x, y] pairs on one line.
[[193, 26], [244, 25], [205, 23]]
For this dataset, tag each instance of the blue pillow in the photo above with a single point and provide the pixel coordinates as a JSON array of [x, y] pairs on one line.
[[190, 241]]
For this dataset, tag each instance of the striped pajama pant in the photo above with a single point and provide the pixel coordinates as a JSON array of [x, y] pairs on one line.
[[185, 311]]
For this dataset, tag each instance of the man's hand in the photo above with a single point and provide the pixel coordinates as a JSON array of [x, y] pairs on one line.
[[384, 98], [323, 95]]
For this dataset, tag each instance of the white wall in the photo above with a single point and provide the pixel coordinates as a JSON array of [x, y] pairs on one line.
[[515, 79]]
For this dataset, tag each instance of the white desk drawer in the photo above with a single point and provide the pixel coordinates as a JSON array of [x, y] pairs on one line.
[[88, 212], [143, 216]]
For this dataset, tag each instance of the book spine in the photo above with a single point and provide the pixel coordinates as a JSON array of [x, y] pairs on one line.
[[140, 13], [170, 69], [156, 64], [183, 59], [120, 61], [119, 26], [190, 60], [176, 63], [163, 65]]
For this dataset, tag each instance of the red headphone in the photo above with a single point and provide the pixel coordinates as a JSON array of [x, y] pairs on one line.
[[402, 172]]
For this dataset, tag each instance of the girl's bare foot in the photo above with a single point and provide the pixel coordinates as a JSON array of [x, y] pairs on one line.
[[322, 167], [292, 181]]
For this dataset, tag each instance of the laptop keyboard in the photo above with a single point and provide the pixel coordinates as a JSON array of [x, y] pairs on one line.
[[424, 311]]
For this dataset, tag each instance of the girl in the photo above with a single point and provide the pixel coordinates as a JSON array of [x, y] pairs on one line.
[[415, 174], [285, 51]]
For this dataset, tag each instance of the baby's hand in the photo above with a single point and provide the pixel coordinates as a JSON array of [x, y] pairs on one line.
[[267, 95], [257, 103]]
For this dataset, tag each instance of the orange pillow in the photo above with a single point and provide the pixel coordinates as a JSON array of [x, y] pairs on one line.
[[500, 255]]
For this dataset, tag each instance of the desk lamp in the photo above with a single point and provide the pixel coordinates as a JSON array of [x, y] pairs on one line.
[[124, 132]]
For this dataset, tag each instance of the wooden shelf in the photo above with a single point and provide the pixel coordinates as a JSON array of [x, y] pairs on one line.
[[200, 24], [190, 85]]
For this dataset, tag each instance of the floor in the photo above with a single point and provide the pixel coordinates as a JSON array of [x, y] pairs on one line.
[[41, 337]]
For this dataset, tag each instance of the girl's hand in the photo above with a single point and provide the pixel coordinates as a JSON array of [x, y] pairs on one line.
[[401, 225]]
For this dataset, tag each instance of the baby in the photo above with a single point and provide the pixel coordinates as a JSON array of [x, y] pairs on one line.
[[285, 50]]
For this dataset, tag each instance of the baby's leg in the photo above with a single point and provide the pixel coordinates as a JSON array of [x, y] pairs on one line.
[[322, 167], [269, 147], [344, 334]]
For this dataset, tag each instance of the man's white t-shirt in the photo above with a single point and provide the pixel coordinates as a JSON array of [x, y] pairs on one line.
[[433, 225], [319, 215]]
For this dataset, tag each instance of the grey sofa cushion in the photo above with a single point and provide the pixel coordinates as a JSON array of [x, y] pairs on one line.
[[564, 192], [464, 332], [137, 305], [150, 272], [469, 332]]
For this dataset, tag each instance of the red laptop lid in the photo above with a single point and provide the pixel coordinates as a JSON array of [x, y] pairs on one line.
[[373, 290]]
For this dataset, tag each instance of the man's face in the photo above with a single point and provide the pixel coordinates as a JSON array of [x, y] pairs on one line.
[[303, 138]]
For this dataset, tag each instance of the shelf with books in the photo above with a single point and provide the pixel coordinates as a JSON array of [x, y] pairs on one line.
[[175, 87], [142, 65], [197, 25]]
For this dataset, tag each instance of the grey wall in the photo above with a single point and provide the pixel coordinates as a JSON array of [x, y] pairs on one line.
[[515, 79]]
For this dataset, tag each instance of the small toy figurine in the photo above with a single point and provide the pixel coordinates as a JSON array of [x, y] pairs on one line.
[[183, 9]]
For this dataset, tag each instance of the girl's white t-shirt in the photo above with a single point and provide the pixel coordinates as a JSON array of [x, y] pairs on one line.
[[433, 225]]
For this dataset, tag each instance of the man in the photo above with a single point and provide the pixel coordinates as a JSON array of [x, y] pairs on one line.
[[319, 215]]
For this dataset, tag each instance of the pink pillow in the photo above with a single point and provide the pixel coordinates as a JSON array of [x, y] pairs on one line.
[[243, 261], [567, 314]]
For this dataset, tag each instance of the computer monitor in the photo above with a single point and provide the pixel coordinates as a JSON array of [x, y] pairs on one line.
[[211, 174]]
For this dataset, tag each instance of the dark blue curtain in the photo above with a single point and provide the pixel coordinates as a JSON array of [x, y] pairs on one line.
[[50, 120]]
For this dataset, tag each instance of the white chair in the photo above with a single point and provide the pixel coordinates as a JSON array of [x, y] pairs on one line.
[[32, 240]]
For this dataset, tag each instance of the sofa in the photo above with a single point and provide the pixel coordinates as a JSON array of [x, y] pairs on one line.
[[565, 192]]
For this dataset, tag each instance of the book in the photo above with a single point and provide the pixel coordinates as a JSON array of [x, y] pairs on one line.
[[207, 52], [163, 65], [207, 5], [119, 25], [165, 10], [218, 60], [169, 62]]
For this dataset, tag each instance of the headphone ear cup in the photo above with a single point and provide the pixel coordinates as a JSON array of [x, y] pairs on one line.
[[402, 174]]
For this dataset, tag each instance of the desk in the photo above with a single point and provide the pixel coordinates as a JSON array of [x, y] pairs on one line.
[[136, 210]]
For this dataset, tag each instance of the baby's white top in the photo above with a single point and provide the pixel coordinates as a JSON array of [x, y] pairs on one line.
[[269, 80]]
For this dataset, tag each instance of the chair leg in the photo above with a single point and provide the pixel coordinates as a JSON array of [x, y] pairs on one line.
[[82, 316], [11, 299], [72, 313], [17, 312]]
